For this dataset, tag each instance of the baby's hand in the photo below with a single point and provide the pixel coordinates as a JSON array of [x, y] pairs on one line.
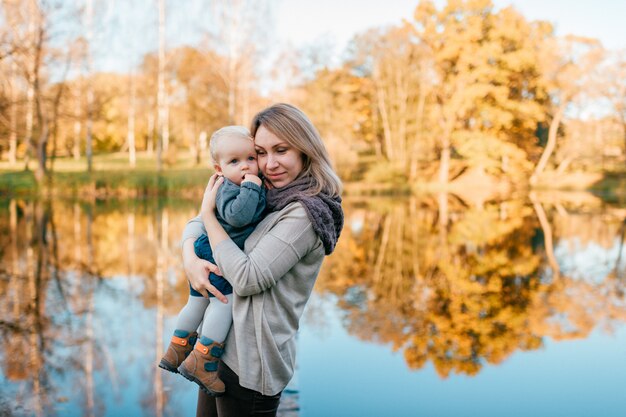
[[252, 178]]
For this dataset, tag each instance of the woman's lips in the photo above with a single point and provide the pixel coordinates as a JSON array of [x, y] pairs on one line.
[[275, 175]]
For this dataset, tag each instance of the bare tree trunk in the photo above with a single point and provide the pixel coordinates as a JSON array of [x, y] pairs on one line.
[[13, 122], [382, 108], [547, 235], [194, 148], [42, 119], [623, 120], [42, 144], [444, 160], [382, 252], [166, 125], [55, 115], [618, 261], [30, 115], [231, 95], [130, 221], [30, 91], [77, 125], [402, 96], [130, 137], [233, 60], [13, 233], [421, 105], [444, 219], [150, 135], [547, 152], [202, 144], [161, 99], [89, 354], [89, 61], [565, 163], [245, 102], [78, 258], [160, 278]]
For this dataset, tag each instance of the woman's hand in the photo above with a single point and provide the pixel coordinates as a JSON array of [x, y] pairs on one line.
[[210, 193], [197, 271]]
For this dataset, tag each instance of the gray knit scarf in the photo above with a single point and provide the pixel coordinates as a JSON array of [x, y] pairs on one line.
[[323, 210]]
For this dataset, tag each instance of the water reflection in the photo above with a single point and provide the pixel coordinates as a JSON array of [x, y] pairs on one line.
[[88, 290], [57, 258], [462, 286]]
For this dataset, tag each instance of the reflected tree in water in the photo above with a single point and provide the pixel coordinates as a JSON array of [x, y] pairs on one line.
[[460, 286], [53, 263], [455, 285]]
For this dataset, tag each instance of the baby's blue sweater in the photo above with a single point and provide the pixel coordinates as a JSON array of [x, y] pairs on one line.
[[239, 209]]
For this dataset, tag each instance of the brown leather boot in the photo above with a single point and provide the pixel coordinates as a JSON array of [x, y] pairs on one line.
[[201, 366], [180, 346]]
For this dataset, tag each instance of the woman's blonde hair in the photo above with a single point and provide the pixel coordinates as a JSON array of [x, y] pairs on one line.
[[290, 124], [227, 131]]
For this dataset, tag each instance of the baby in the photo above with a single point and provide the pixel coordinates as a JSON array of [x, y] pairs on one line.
[[240, 203]]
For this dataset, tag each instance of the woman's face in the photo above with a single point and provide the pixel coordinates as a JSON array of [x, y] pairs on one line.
[[279, 162]]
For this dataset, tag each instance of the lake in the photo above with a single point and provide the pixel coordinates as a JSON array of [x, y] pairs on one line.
[[430, 306]]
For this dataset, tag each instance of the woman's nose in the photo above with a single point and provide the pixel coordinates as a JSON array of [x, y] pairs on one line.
[[271, 162]]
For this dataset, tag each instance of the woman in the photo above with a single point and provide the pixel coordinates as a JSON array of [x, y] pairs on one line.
[[273, 277]]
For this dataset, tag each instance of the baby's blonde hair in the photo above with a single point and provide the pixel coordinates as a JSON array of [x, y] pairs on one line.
[[226, 131]]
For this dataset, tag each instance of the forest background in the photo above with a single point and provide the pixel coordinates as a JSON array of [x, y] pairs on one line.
[[457, 95]]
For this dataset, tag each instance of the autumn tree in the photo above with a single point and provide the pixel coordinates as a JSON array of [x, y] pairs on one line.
[[32, 24], [204, 104], [337, 103], [237, 30], [567, 66], [486, 78], [399, 75], [614, 87]]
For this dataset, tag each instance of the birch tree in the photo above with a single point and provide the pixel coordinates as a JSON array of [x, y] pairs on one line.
[[162, 110], [237, 29], [89, 83], [568, 66], [614, 87]]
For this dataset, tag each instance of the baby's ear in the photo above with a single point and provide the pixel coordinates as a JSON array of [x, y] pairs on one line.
[[217, 168]]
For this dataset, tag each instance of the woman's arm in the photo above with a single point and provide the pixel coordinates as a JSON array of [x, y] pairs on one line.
[[197, 271], [277, 252], [193, 229], [274, 255]]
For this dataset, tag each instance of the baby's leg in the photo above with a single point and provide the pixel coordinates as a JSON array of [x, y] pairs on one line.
[[217, 319], [201, 364], [191, 315], [185, 335]]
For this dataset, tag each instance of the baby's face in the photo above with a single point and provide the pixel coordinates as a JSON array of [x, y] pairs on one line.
[[236, 158]]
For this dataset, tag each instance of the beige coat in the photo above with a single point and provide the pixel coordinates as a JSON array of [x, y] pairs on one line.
[[272, 281]]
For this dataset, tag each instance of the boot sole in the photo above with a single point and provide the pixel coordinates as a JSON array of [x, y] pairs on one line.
[[192, 378], [168, 366]]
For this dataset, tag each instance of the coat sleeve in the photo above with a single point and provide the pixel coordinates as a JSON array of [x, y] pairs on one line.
[[279, 250], [193, 229], [238, 205]]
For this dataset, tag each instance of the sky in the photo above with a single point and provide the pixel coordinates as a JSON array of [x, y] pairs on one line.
[[127, 29], [306, 22]]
